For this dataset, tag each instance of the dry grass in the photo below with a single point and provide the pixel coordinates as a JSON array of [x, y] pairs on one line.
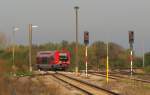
[[25, 85], [134, 88], [2, 67], [54, 87], [4, 88], [28, 86]]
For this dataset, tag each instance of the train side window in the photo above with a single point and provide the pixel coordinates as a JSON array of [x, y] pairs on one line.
[[45, 60]]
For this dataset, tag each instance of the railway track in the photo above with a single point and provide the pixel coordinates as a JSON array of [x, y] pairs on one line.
[[83, 86], [88, 88], [84, 91], [116, 77]]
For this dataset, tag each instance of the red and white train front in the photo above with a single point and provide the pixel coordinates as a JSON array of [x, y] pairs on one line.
[[53, 60]]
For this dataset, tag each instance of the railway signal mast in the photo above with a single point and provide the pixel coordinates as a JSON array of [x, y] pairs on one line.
[[15, 29], [76, 58], [107, 64], [131, 41], [30, 45], [143, 55], [86, 42]]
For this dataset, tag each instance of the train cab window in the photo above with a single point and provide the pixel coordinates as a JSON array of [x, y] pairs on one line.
[[63, 57]]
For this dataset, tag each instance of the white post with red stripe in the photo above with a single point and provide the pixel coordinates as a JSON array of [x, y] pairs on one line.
[[86, 71], [131, 58]]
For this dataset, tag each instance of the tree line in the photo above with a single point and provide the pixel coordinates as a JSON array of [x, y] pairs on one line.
[[118, 56]]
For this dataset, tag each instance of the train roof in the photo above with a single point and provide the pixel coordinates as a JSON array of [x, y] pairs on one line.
[[48, 53], [45, 53]]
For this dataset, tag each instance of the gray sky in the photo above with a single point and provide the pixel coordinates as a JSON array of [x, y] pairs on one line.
[[104, 19]]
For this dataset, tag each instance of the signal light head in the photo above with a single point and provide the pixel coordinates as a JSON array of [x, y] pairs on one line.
[[86, 37], [131, 36]]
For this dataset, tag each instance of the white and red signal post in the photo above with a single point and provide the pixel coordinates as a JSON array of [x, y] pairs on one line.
[[86, 42]]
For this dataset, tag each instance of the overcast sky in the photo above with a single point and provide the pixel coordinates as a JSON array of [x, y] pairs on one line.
[[104, 19]]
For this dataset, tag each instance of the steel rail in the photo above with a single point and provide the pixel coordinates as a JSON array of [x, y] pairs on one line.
[[112, 76], [87, 92], [90, 84]]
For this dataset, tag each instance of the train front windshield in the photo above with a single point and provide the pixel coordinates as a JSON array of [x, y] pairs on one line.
[[63, 56]]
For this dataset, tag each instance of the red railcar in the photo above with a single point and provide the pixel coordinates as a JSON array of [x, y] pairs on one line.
[[53, 60]]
